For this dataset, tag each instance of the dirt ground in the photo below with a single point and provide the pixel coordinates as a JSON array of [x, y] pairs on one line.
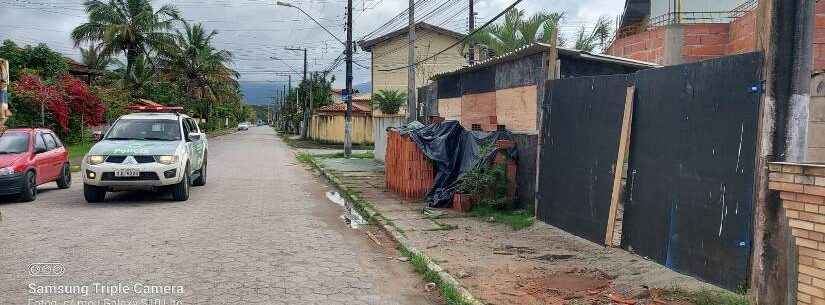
[[537, 265]]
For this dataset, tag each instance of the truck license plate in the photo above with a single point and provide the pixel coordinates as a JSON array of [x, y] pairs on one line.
[[127, 172]]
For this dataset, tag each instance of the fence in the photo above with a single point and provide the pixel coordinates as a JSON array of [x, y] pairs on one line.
[[691, 131], [330, 129], [408, 171], [380, 123]]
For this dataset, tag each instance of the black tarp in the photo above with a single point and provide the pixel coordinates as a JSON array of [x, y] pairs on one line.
[[454, 150]]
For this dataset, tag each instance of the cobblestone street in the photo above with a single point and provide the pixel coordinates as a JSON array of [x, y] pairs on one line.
[[260, 232]]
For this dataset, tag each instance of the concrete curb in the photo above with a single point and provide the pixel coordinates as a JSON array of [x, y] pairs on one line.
[[396, 235]]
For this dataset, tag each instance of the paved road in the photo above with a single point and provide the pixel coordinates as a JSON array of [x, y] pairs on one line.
[[260, 232]]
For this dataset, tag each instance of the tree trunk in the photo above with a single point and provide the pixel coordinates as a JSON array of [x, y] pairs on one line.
[[131, 58]]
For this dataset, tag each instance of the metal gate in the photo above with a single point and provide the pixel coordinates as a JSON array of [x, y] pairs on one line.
[[691, 181]]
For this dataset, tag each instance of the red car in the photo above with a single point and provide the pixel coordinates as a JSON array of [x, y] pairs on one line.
[[31, 157]]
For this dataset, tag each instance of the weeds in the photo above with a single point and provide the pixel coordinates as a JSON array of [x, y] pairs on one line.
[[448, 291], [363, 155], [706, 297], [304, 158], [515, 219]]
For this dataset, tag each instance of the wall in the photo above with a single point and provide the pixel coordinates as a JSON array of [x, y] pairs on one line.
[[479, 108], [742, 36], [646, 46], [801, 189], [450, 108], [393, 53], [816, 118], [330, 129], [704, 41], [819, 36], [379, 132], [526, 144], [516, 108]]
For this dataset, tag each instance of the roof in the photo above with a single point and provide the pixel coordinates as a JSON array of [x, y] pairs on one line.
[[635, 11], [78, 68], [538, 47], [368, 44], [342, 107]]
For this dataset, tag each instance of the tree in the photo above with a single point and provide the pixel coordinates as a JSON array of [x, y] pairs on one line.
[[94, 58], [596, 38], [514, 31], [190, 60], [39, 60], [126, 26], [389, 101]]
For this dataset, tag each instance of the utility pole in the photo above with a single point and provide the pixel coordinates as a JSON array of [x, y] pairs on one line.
[[348, 96], [412, 109], [471, 58], [784, 35], [305, 120]]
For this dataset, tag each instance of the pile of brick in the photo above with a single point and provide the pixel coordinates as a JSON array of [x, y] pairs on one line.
[[408, 171]]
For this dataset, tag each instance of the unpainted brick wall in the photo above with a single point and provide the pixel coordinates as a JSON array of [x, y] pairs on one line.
[[479, 108], [407, 170], [801, 188], [646, 46]]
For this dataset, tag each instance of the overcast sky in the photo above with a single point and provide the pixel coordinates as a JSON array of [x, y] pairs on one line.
[[255, 30]]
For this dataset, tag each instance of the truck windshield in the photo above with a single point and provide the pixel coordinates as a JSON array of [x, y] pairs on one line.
[[14, 142], [148, 130]]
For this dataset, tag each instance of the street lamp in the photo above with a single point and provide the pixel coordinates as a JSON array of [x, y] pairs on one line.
[[310, 17]]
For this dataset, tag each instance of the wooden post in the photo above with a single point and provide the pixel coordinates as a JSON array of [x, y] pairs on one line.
[[619, 168]]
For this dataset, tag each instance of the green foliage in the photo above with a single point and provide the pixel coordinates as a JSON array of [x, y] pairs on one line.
[[38, 60], [448, 291], [515, 219], [486, 183], [389, 101], [594, 38], [706, 297]]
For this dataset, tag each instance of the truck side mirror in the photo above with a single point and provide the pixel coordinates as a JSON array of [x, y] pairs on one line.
[[97, 136]]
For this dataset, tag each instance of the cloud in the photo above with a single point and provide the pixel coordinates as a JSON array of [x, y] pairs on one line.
[[255, 30]]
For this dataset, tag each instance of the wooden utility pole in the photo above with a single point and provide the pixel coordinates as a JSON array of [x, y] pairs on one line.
[[784, 35], [471, 26], [412, 102]]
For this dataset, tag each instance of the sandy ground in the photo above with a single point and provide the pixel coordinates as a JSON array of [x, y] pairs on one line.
[[537, 265]]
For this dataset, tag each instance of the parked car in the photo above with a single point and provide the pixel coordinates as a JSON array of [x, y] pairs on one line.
[[147, 151], [243, 126], [31, 157]]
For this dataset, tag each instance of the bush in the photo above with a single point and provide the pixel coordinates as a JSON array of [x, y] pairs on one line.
[[486, 183], [389, 101]]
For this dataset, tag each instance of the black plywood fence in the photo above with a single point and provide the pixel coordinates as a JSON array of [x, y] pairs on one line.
[[688, 200]]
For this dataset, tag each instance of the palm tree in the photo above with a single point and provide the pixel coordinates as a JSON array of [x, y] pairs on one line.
[[596, 38], [94, 58], [515, 31], [191, 60], [126, 26]]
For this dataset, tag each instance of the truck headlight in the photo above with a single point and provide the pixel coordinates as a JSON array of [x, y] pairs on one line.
[[6, 171], [167, 160], [95, 160]]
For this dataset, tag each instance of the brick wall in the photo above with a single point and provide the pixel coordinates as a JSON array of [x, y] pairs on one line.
[[742, 35], [704, 41], [516, 108], [801, 188], [479, 108], [647, 46]]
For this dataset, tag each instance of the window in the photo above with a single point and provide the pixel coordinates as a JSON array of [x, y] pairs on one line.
[[193, 126], [50, 143], [56, 140], [39, 144], [14, 142], [144, 129]]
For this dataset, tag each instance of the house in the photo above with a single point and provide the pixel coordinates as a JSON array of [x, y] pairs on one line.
[[328, 124], [390, 51], [82, 72], [505, 90], [360, 99]]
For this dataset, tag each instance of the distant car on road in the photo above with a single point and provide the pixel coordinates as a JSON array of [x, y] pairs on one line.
[[148, 150], [243, 126], [31, 157]]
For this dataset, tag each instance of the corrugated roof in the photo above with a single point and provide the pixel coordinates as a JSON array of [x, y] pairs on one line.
[[538, 47]]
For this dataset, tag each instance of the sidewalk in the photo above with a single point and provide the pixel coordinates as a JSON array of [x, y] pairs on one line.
[[536, 265]]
